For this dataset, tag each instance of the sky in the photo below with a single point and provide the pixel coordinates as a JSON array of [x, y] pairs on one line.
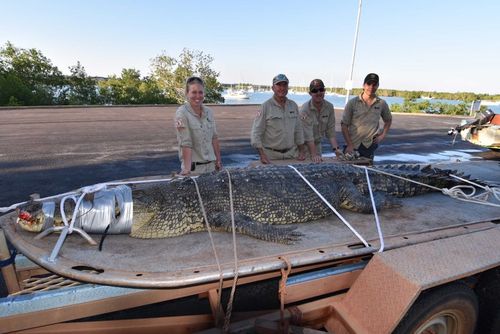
[[429, 45]]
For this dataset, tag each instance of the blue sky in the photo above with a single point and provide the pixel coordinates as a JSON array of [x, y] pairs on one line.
[[414, 45]]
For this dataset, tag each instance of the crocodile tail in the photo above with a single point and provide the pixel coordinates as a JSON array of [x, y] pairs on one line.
[[426, 175]]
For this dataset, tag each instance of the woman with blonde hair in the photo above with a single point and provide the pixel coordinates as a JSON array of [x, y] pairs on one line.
[[199, 150]]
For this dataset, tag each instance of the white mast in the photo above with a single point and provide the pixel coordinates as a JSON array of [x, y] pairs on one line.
[[348, 84]]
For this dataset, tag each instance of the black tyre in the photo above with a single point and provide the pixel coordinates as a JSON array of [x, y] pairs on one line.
[[495, 323], [450, 309], [488, 292]]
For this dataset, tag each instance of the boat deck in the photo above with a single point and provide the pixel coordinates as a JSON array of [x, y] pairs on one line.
[[189, 259]]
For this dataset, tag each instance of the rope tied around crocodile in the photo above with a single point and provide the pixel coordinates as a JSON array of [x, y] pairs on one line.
[[227, 319], [456, 191], [219, 312], [229, 310]]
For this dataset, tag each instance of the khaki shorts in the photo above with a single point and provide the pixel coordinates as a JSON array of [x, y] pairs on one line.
[[292, 153], [200, 169]]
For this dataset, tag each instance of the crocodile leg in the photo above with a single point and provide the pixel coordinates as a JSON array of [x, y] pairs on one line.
[[352, 199], [221, 221]]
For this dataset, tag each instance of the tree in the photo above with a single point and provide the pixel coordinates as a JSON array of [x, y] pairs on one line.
[[171, 74], [36, 80], [80, 89], [130, 88]]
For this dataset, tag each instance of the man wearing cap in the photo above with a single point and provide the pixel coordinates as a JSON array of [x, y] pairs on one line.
[[360, 120], [277, 129], [318, 120]]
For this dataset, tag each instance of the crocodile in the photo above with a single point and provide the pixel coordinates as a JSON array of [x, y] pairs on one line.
[[267, 196]]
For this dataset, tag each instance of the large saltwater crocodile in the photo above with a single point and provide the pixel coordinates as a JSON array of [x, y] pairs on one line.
[[266, 196]]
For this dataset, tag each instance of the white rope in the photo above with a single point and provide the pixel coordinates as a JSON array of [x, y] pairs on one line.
[[79, 191], [399, 177], [68, 227], [331, 207], [456, 191], [221, 278], [227, 320], [377, 221]]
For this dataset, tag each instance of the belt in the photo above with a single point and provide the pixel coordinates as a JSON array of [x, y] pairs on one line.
[[202, 163], [194, 164], [280, 151]]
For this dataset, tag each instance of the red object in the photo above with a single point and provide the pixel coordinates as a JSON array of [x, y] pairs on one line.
[[25, 215]]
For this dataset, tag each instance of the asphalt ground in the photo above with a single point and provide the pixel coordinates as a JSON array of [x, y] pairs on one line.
[[54, 150]]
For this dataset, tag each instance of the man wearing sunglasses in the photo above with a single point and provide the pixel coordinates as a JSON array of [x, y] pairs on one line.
[[360, 120], [318, 120], [277, 130]]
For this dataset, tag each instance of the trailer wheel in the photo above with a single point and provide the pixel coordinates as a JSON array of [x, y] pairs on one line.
[[451, 309], [495, 326]]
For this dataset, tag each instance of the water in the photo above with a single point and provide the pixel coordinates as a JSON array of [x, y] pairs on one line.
[[337, 100]]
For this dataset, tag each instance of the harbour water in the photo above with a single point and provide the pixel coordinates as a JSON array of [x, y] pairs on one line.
[[337, 100]]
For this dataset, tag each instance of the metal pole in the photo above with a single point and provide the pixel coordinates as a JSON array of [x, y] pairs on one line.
[[349, 82]]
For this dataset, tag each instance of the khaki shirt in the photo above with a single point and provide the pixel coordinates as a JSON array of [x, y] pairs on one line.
[[363, 121], [196, 132], [276, 127], [317, 124]]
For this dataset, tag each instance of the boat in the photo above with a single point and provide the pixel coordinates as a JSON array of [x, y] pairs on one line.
[[483, 131], [490, 103], [326, 267], [239, 94]]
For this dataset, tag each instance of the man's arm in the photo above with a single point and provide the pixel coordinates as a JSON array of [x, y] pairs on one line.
[[258, 129], [344, 124], [380, 137], [347, 138]]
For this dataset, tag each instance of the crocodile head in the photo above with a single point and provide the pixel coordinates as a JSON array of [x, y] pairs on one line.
[[37, 216], [31, 217]]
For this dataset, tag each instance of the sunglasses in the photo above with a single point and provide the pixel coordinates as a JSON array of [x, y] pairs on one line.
[[194, 79], [315, 90]]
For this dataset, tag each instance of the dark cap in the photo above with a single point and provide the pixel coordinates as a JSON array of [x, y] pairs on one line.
[[372, 77], [280, 78], [316, 83]]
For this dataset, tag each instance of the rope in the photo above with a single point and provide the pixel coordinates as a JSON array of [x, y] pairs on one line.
[[16, 205], [456, 191], [377, 221], [221, 279], [331, 207], [399, 177], [225, 329], [282, 292]]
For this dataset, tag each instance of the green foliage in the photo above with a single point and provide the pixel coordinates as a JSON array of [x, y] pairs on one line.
[[34, 80], [80, 88], [171, 75], [27, 77], [130, 88], [411, 106]]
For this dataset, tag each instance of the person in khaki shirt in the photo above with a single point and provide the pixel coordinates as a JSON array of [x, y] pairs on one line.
[[199, 149], [277, 129], [318, 120], [360, 120]]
